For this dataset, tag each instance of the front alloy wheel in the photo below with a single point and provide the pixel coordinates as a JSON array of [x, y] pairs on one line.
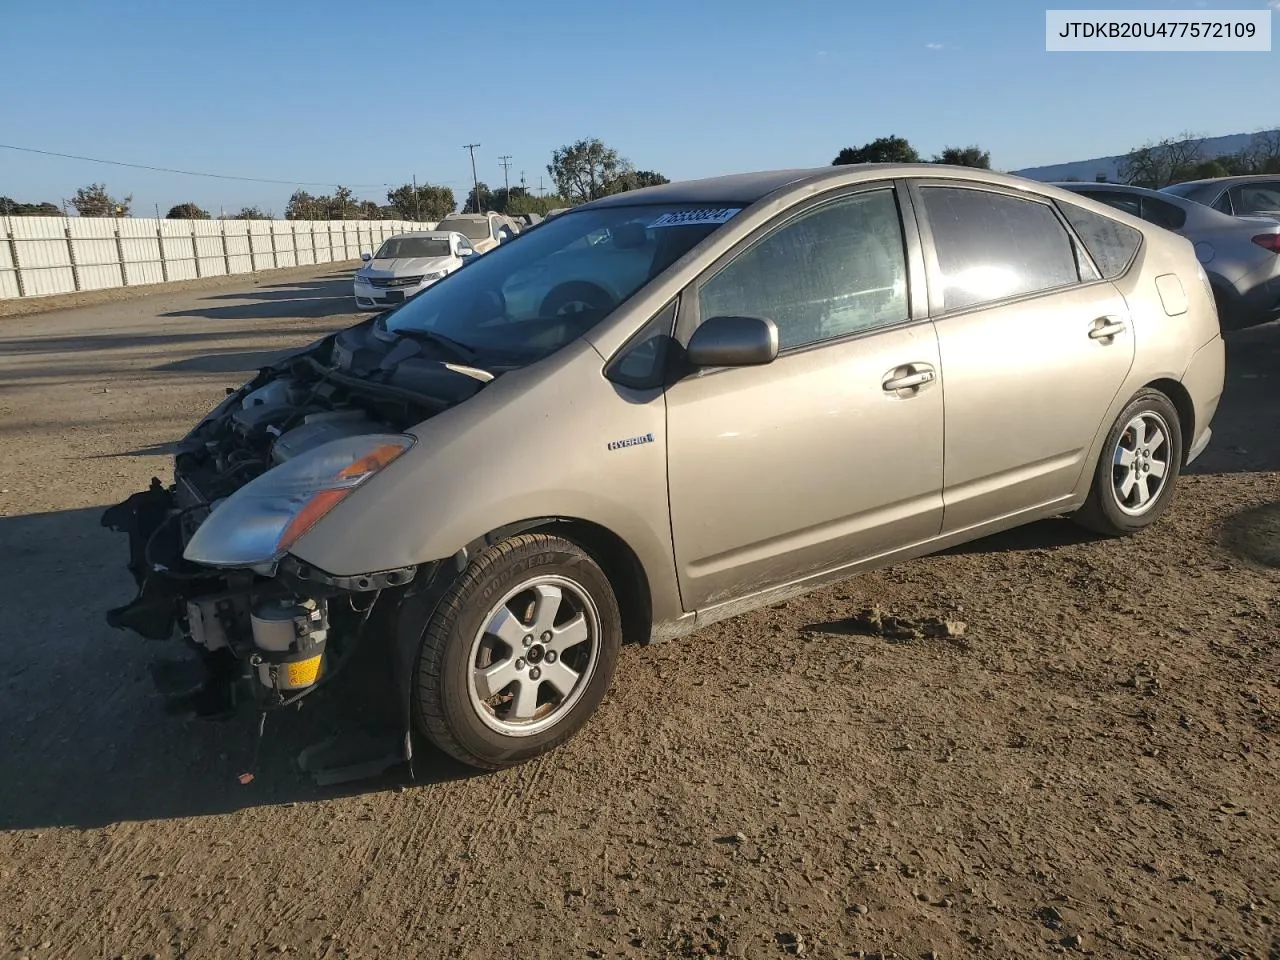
[[535, 655], [518, 653]]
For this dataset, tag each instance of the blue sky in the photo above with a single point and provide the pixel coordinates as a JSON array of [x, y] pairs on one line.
[[371, 93]]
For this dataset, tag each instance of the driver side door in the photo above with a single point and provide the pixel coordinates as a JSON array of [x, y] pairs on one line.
[[832, 453]]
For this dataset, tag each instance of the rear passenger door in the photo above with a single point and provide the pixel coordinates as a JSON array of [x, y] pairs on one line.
[[1034, 347]]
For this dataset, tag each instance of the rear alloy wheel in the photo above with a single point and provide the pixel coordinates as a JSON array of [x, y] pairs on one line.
[[519, 652], [1136, 473]]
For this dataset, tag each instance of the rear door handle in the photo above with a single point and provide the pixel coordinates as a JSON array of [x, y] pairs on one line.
[[1104, 328], [914, 375]]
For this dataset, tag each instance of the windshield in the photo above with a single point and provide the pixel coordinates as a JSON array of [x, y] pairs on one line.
[[525, 300], [398, 247], [471, 229]]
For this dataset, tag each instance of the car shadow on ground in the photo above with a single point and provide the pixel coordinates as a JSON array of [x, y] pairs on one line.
[[1250, 407], [226, 361], [84, 736], [309, 299], [1043, 535]]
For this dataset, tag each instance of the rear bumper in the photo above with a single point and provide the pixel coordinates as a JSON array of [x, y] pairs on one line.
[[1254, 299], [1204, 378]]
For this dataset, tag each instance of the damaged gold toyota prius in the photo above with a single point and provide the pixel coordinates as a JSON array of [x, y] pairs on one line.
[[661, 409]]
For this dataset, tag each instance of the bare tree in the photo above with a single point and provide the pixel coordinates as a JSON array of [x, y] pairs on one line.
[[1157, 165]]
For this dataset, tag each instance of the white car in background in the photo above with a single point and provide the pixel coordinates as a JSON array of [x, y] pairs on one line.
[[407, 264], [484, 230]]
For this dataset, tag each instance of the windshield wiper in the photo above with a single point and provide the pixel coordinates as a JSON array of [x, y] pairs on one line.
[[457, 348]]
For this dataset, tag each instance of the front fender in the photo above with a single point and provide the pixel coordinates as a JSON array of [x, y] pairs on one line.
[[540, 442]]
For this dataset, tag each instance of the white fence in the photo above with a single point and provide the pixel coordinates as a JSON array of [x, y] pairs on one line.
[[40, 256]]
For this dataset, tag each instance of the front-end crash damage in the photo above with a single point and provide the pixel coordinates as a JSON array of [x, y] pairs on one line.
[[210, 553]]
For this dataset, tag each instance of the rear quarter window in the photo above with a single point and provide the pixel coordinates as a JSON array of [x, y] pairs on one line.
[[1112, 244]]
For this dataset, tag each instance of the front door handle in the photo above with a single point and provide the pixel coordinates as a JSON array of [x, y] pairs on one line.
[[909, 376], [1104, 328]]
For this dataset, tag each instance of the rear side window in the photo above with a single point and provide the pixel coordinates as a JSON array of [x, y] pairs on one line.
[[1112, 244], [1163, 213], [991, 246], [1252, 198], [1121, 201]]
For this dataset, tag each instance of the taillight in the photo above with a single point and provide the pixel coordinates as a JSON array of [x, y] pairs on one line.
[[1268, 241]]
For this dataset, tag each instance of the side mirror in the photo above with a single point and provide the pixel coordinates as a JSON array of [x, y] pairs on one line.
[[733, 342], [366, 257]]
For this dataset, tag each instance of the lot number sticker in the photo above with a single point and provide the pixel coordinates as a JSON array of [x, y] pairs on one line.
[[691, 218]]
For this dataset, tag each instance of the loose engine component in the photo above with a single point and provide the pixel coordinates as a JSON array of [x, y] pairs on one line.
[[282, 639]]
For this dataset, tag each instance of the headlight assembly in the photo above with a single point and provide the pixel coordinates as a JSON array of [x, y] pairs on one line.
[[260, 522]]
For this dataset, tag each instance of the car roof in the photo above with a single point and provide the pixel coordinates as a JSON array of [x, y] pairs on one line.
[[431, 234], [1078, 185], [1198, 215], [747, 188], [1215, 181]]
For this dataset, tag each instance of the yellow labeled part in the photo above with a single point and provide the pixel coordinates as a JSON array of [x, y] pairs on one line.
[[303, 673]]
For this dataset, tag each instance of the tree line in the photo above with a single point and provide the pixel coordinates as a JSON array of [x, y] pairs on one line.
[[1183, 158], [895, 149], [590, 169], [581, 171]]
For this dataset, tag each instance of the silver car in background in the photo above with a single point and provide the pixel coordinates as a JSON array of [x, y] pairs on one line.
[[1256, 195], [484, 230], [407, 264], [1241, 255]]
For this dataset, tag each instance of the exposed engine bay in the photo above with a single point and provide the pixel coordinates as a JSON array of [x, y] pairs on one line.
[[270, 634]]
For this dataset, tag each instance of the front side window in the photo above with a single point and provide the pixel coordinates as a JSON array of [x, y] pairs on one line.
[[835, 270], [522, 301], [991, 246]]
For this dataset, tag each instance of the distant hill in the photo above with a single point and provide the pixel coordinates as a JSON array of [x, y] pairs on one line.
[[1110, 166]]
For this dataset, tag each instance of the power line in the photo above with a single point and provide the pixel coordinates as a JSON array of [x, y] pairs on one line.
[[190, 173]]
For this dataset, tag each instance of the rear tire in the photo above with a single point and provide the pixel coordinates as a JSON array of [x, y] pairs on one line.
[[1138, 468], [518, 654]]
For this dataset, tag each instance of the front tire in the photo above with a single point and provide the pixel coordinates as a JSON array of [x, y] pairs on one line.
[[518, 654], [1138, 469]]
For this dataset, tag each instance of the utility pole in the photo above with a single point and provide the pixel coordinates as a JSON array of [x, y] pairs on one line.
[[541, 190], [475, 181], [417, 207], [505, 160], [522, 184]]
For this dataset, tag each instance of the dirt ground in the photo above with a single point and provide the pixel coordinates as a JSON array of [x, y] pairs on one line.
[[1091, 768]]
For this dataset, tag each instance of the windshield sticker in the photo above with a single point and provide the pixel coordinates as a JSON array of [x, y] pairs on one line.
[[690, 218]]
